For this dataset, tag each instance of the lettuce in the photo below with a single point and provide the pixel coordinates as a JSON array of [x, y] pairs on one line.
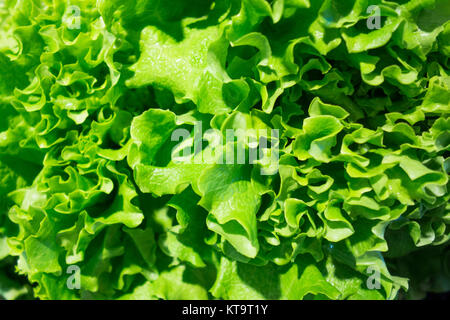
[[100, 98]]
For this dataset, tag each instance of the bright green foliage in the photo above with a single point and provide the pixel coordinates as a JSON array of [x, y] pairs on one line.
[[88, 104]]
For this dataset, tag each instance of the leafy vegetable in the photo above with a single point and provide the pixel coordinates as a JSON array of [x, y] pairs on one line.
[[348, 200]]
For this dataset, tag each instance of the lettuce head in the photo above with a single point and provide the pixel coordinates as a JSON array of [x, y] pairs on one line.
[[354, 203]]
